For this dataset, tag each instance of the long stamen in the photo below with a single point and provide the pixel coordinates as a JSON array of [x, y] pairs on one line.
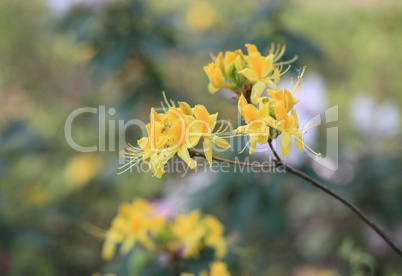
[[287, 61], [297, 88], [221, 128], [245, 147], [278, 48], [163, 107], [280, 53], [308, 127], [272, 48], [129, 165], [234, 135], [165, 98], [318, 154]]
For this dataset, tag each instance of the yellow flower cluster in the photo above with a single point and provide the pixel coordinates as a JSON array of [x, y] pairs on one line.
[[270, 119], [246, 74], [249, 76], [216, 269], [172, 132], [184, 235]]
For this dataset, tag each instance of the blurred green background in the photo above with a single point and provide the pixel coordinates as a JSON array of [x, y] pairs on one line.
[[58, 56]]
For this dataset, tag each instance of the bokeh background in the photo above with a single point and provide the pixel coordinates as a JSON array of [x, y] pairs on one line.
[[60, 55]]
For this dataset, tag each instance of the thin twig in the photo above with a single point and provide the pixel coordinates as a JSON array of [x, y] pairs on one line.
[[327, 190], [274, 151], [289, 169]]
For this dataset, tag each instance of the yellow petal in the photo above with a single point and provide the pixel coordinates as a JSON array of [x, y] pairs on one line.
[[212, 89], [264, 111], [230, 57], [294, 114], [203, 118], [127, 245], [154, 116], [185, 107], [251, 48], [249, 74], [299, 141], [250, 113], [220, 142], [256, 92], [241, 104], [280, 111], [286, 142], [253, 144], [257, 64], [212, 121], [207, 145], [185, 155], [108, 250], [219, 62]]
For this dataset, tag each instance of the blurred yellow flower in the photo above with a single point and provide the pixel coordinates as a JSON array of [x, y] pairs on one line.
[[219, 269], [82, 168], [214, 236], [184, 235], [216, 269], [134, 223], [188, 231], [201, 15]]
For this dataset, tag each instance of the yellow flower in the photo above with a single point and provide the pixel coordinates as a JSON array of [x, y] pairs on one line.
[[259, 67], [216, 80], [206, 123], [201, 15], [140, 223], [219, 269], [288, 125], [223, 73], [256, 119], [283, 95], [188, 231], [216, 269], [214, 237], [230, 61], [83, 168], [174, 131], [134, 223], [262, 70]]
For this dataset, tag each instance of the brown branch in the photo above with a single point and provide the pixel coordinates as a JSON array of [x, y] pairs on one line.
[[332, 193], [289, 169]]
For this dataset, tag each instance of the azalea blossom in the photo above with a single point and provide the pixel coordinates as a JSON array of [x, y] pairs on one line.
[[174, 132]]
